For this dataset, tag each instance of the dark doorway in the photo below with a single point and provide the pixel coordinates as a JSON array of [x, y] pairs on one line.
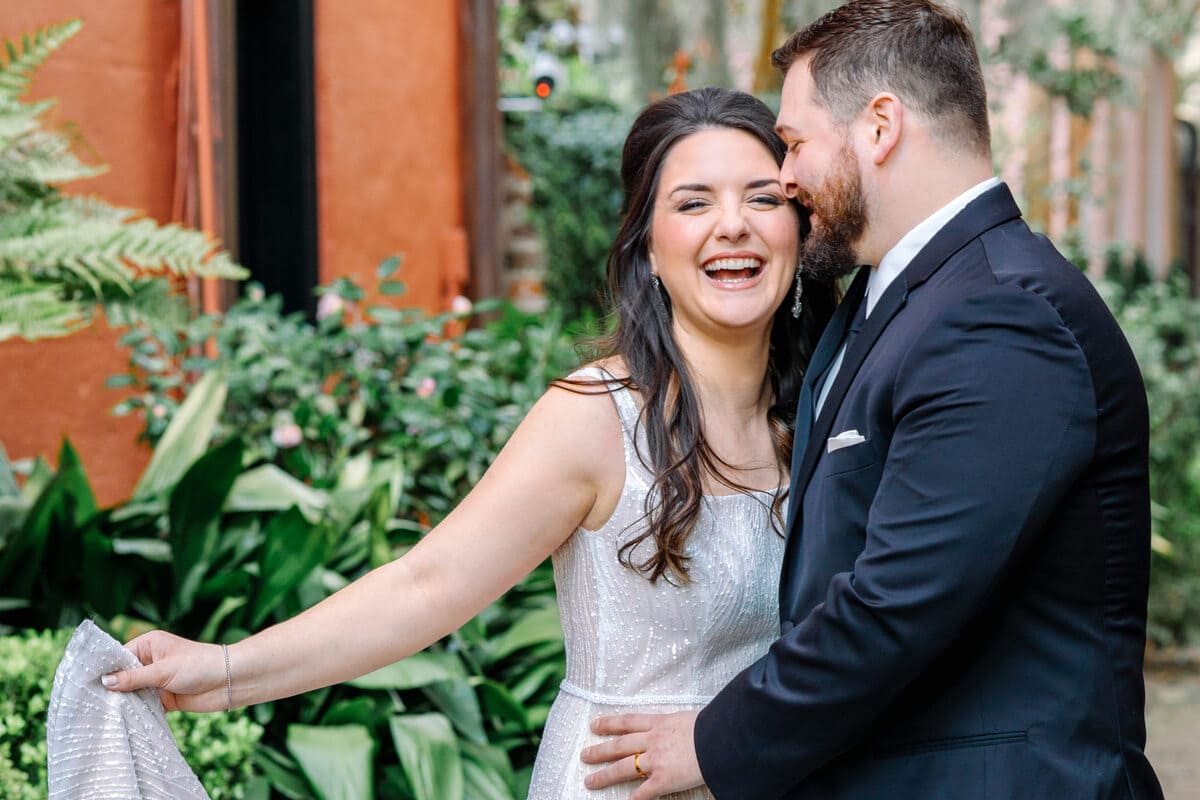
[[276, 136]]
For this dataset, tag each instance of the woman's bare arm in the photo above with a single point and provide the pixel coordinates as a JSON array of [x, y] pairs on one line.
[[563, 464]]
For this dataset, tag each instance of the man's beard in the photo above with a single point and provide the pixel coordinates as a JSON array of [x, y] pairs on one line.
[[828, 253]]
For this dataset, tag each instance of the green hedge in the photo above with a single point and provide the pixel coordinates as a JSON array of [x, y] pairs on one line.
[[574, 162]]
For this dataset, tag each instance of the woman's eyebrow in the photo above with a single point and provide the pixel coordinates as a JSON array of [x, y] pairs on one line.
[[691, 187], [704, 187]]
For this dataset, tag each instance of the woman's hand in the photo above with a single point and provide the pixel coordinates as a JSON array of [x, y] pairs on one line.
[[189, 676]]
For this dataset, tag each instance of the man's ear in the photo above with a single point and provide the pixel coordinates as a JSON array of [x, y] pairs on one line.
[[884, 118]]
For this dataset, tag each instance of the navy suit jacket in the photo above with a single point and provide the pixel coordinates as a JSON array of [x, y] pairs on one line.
[[963, 597]]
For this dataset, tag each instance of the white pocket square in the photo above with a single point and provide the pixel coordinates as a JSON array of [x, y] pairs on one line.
[[846, 439]]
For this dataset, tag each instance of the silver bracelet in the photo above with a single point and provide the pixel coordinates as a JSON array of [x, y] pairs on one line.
[[228, 680]]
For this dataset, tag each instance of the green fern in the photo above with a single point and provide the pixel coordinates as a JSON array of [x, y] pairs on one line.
[[62, 258], [32, 51]]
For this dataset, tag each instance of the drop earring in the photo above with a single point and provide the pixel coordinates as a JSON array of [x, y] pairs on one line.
[[797, 303], [658, 293]]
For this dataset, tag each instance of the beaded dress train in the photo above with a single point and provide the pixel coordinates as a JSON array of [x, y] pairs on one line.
[[638, 647]]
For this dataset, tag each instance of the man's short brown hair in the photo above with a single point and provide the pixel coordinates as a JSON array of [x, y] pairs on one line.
[[921, 51]]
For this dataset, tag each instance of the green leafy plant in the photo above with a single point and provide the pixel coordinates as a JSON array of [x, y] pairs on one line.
[[63, 257], [219, 748], [377, 381], [230, 529], [574, 160]]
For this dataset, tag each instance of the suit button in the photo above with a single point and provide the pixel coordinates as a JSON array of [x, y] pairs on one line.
[[786, 627]]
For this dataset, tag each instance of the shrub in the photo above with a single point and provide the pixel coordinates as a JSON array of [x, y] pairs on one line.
[[219, 747], [574, 161], [377, 381]]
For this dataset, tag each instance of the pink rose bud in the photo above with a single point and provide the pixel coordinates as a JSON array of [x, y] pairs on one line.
[[330, 304], [159, 411], [461, 305], [285, 436], [426, 388]]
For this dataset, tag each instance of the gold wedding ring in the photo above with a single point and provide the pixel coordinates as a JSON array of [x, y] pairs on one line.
[[637, 767]]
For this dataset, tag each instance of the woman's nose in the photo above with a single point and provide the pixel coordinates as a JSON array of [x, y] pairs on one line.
[[732, 226]]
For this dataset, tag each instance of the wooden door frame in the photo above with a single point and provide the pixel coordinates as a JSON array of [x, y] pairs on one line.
[[482, 142]]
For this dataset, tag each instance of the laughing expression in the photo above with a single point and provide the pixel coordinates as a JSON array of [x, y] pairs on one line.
[[724, 238]]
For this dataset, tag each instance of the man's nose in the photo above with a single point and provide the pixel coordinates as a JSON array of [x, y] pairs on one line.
[[787, 178]]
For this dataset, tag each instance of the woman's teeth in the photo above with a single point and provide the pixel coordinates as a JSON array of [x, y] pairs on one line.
[[733, 270]]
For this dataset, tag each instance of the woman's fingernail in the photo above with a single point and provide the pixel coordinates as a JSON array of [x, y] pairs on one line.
[[109, 680]]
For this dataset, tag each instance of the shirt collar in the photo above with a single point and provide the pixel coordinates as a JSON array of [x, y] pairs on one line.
[[901, 255]]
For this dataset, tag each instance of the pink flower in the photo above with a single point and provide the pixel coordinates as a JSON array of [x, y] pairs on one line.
[[285, 436], [256, 294], [426, 388], [330, 304], [461, 305], [158, 411]]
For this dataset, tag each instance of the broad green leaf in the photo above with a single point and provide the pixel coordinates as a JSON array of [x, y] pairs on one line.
[[534, 627], [282, 773], [457, 700], [484, 783], [150, 549], [194, 513], [227, 607], [292, 550], [429, 754], [268, 488], [387, 268], [186, 438], [499, 702], [335, 758], [535, 678], [60, 511], [419, 669]]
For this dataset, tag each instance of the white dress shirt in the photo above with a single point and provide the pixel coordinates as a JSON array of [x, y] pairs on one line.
[[896, 260]]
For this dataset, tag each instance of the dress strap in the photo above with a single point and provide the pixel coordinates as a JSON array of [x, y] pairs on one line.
[[627, 412]]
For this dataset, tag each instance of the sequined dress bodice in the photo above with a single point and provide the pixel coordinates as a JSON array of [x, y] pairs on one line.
[[634, 646]]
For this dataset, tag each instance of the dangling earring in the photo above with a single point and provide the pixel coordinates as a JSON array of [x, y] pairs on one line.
[[797, 304], [658, 293]]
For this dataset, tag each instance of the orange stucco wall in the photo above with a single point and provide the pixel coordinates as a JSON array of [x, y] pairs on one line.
[[115, 80], [388, 166], [388, 171]]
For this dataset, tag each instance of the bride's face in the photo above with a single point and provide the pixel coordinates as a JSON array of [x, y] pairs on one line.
[[723, 236]]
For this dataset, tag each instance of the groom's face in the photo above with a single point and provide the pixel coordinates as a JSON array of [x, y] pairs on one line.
[[821, 171]]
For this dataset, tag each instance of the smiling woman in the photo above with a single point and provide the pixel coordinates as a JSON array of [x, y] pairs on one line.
[[724, 247]]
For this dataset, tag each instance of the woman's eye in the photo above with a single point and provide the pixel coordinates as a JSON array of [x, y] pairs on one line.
[[690, 205], [766, 200]]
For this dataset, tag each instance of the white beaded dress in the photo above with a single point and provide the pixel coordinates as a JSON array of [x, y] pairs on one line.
[[634, 646]]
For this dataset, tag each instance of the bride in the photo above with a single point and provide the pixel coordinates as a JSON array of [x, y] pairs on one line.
[[656, 477]]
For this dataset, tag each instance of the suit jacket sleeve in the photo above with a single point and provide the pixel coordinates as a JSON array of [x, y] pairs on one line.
[[994, 418]]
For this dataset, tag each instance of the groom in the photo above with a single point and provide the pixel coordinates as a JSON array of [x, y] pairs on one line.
[[963, 597]]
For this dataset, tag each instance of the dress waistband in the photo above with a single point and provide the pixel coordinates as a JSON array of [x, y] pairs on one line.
[[635, 700]]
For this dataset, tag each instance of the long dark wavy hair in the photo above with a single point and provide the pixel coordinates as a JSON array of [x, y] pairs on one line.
[[679, 455]]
